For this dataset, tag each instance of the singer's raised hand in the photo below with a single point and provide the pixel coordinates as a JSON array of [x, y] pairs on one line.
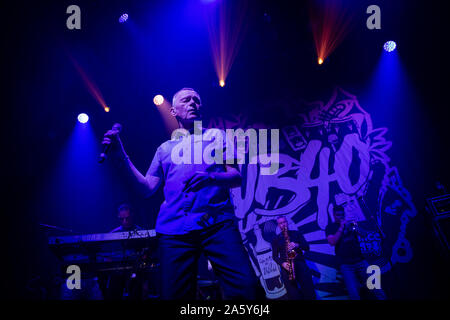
[[112, 139]]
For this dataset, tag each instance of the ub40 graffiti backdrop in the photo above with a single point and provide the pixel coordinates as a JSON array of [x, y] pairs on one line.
[[332, 156]]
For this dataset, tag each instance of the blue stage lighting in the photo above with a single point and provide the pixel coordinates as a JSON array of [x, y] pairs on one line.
[[123, 18], [83, 118], [390, 46]]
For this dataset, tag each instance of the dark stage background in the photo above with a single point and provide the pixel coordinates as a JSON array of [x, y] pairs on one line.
[[165, 47]]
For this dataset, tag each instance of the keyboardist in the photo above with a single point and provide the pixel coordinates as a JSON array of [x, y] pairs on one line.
[[126, 218], [117, 282]]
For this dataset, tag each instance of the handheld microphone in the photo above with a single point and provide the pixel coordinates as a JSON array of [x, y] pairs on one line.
[[116, 127]]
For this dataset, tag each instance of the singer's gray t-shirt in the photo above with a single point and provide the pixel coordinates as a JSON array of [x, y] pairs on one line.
[[182, 212]]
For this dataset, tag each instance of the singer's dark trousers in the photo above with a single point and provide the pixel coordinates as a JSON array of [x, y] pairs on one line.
[[222, 245]]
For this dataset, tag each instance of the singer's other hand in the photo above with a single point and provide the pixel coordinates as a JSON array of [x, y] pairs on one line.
[[197, 181]]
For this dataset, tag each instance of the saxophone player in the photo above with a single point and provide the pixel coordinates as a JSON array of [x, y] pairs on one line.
[[287, 249]]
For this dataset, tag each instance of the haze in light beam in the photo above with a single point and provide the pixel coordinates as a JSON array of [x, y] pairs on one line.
[[226, 26], [93, 89], [330, 22], [169, 120]]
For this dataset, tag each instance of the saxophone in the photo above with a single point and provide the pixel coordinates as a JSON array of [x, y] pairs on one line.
[[290, 254]]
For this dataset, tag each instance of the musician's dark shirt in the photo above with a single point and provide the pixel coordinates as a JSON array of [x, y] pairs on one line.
[[347, 249], [279, 246]]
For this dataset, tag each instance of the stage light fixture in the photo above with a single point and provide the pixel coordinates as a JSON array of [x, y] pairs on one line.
[[106, 109], [320, 61], [390, 46], [222, 83], [123, 18], [83, 118], [158, 100]]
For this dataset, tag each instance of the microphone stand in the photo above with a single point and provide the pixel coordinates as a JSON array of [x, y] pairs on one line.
[[56, 228]]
